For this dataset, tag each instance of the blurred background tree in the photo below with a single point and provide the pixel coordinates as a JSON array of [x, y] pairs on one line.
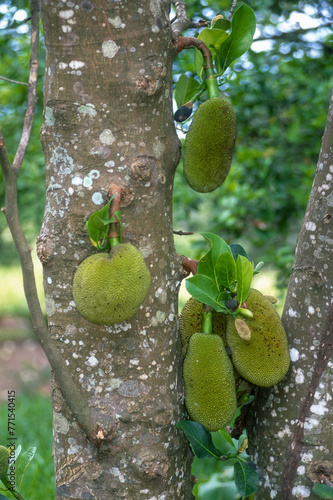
[[280, 90]]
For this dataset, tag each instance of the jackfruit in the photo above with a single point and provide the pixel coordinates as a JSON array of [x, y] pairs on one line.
[[109, 288], [210, 393], [190, 321], [209, 145], [264, 359], [4, 459]]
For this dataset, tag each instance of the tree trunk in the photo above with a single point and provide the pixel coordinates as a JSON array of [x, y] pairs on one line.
[[108, 121], [291, 425]]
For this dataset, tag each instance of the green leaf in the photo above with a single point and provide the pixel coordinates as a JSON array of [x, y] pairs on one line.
[[226, 271], [223, 441], [238, 250], [246, 478], [198, 63], [24, 462], [208, 262], [203, 468], [199, 438], [212, 37], [323, 491], [205, 290], [243, 26], [216, 489], [17, 452], [98, 224], [185, 89], [206, 266], [244, 278], [222, 24]]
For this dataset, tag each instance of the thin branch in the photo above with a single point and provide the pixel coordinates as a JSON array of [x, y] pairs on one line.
[[232, 8], [13, 81], [183, 22], [190, 41], [95, 430], [32, 85], [183, 233]]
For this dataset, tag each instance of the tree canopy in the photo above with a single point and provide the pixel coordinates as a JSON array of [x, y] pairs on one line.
[[280, 90]]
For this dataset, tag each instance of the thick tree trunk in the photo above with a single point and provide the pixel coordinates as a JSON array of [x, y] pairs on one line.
[[291, 426], [108, 120]]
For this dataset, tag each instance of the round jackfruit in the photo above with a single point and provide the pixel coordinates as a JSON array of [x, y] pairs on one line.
[[4, 459], [190, 321], [209, 145], [210, 393], [109, 288], [264, 359]]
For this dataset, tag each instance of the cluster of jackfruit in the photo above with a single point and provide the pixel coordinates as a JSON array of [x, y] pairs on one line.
[[262, 358], [209, 145], [109, 288]]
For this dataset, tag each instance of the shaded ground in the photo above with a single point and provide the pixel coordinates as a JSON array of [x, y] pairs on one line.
[[23, 364]]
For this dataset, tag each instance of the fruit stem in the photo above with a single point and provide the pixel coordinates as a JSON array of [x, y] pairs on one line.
[[210, 79], [207, 319], [114, 235], [213, 90]]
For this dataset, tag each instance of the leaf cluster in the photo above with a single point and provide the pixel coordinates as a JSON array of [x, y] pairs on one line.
[[225, 457], [227, 41], [224, 272]]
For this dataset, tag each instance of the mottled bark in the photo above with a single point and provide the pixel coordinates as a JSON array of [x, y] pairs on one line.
[[108, 120], [291, 425]]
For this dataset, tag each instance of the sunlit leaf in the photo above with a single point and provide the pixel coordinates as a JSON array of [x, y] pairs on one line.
[[243, 26], [204, 289], [244, 278], [226, 271], [24, 462]]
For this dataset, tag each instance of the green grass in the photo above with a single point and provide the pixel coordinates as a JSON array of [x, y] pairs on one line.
[[33, 428], [12, 298]]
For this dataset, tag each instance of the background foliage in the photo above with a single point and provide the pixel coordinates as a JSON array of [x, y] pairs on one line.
[[280, 95]]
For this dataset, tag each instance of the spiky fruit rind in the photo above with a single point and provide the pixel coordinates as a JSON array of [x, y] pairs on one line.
[[264, 359], [209, 145], [190, 321], [210, 394], [109, 288], [4, 458]]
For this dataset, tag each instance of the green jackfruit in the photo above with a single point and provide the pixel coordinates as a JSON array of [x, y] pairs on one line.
[[264, 359], [109, 288], [209, 145], [190, 321], [210, 393], [4, 458]]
